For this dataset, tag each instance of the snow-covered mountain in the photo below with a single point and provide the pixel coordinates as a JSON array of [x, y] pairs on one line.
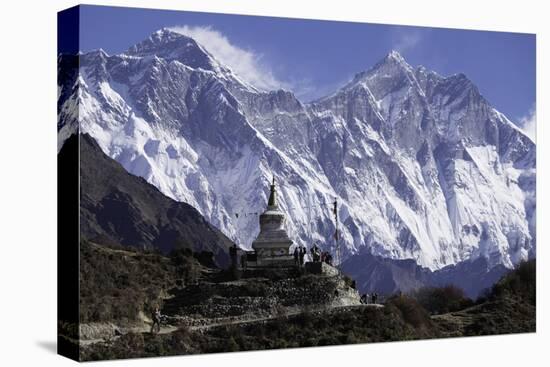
[[423, 167]]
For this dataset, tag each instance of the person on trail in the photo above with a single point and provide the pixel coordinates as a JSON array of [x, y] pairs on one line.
[[365, 299], [302, 255], [374, 297], [156, 317], [296, 256]]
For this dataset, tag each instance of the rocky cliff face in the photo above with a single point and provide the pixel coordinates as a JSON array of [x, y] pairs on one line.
[[421, 164]]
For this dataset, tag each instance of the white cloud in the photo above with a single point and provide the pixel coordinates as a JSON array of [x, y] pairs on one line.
[[247, 64], [405, 40], [528, 123]]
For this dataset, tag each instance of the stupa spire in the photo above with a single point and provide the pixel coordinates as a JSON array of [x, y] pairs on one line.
[[273, 195]]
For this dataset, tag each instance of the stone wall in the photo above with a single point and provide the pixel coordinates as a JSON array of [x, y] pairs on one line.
[[270, 292], [320, 268]]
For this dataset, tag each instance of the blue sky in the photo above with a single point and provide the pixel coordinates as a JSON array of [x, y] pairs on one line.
[[313, 58]]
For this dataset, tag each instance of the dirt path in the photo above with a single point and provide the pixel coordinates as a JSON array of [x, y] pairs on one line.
[[168, 329], [145, 329], [269, 318]]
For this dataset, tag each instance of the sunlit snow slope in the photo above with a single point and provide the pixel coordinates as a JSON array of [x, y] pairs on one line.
[[423, 167]]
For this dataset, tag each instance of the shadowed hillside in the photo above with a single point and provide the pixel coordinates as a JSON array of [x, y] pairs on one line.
[[508, 308], [118, 207]]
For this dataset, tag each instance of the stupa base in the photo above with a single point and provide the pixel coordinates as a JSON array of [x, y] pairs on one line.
[[284, 261]]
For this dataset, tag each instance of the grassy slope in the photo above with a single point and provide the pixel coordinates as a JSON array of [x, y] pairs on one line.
[[116, 284], [359, 325], [508, 308]]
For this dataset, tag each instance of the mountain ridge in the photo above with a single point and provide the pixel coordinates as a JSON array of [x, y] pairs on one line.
[[429, 154], [374, 274]]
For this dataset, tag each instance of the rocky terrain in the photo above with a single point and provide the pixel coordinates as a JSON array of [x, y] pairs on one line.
[[120, 286], [259, 296], [212, 310]]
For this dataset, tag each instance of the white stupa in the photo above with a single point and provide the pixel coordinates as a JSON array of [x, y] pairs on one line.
[[272, 244]]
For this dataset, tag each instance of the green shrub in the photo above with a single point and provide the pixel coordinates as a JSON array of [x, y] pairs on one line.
[[412, 312], [442, 300], [188, 268], [520, 283], [117, 283]]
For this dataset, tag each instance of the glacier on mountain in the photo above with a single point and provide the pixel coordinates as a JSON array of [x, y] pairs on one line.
[[422, 166]]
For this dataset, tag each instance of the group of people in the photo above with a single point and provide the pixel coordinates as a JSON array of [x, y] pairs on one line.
[[316, 255], [299, 255], [368, 299], [322, 256]]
